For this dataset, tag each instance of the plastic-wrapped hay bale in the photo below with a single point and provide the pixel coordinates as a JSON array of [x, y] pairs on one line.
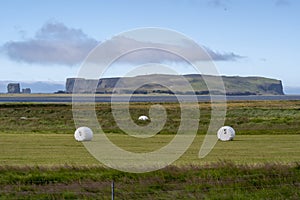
[[143, 118], [83, 134], [226, 133]]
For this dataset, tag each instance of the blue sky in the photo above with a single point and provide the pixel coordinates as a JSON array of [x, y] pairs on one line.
[[263, 35]]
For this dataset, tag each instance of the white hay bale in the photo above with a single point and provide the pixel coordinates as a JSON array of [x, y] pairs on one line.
[[143, 118], [226, 133], [83, 134]]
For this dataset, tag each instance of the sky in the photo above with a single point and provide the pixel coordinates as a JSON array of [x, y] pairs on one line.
[[49, 40]]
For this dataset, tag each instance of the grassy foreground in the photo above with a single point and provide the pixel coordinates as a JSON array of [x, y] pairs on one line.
[[222, 180], [40, 159]]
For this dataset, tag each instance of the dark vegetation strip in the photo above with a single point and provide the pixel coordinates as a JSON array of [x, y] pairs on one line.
[[222, 180]]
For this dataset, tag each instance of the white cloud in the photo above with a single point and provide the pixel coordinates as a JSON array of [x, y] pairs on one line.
[[151, 52], [57, 44], [54, 43]]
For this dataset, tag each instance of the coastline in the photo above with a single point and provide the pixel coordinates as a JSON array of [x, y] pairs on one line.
[[67, 98]]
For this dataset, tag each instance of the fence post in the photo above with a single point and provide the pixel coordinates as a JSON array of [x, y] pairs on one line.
[[112, 190]]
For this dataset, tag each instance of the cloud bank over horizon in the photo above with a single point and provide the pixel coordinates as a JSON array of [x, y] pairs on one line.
[[56, 44]]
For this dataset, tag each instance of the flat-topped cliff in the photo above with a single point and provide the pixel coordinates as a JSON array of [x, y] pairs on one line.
[[169, 84]]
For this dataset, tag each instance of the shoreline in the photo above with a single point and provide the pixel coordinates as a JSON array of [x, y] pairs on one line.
[[68, 98]]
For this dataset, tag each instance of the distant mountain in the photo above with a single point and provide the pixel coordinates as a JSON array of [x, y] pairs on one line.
[[35, 86], [234, 85]]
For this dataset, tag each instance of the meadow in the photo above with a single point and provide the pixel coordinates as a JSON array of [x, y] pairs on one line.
[[41, 160]]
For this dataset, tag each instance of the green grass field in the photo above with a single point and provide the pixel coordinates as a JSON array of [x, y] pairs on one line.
[[62, 149], [247, 117], [40, 159]]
